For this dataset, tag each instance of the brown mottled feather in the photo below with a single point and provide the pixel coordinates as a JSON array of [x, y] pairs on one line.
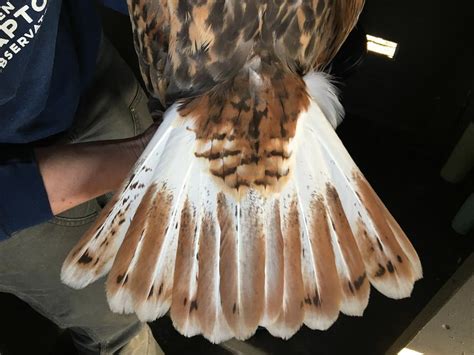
[[292, 311], [207, 304], [245, 136], [274, 264], [262, 236], [390, 257], [335, 22], [355, 286], [147, 284], [242, 284], [323, 293], [183, 294], [117, 280], [188, 47], [151, 26], [229, 267], [253, 270]]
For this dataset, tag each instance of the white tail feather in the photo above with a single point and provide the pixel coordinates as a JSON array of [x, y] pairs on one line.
[[225, 263]]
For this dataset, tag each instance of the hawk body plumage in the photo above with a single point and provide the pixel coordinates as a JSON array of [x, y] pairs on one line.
[[245, 209]]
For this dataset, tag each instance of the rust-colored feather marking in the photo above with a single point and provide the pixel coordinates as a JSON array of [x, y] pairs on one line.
[[141, 249], [229, 263], [391, 255], [117, 281], [253, 276], [238, 224], [207, 303], [241, 284], [143, 277], [323, 298], [353, 278], [292, 312], [185, 319], [274, 264], [244, 134]]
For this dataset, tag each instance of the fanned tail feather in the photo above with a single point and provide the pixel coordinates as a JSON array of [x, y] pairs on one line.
[[94, 254], [225, 260]]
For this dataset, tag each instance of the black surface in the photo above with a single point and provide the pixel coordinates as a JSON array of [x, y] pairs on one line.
[[404, 116]]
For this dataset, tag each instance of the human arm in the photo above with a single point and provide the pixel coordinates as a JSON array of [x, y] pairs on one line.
[[75, 173]]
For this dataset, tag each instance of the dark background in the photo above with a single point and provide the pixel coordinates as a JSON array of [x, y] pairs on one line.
[[403, 118]]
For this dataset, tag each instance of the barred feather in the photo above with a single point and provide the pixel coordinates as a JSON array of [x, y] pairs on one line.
[[245, 210]]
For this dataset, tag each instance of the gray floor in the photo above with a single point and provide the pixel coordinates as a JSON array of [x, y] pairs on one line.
[[451, 331]]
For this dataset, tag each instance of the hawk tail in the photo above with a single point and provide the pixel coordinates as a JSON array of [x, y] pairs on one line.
[[230, 228]]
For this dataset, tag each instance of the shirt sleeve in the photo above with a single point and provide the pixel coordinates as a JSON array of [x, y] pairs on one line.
[[24, 201]]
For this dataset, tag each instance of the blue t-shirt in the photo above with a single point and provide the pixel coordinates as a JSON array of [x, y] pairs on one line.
[[48, 52]]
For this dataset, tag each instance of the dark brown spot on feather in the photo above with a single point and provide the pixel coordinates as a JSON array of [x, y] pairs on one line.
[[350, 287], [360, 280], [225, 172], [380, 272], [380, 244], [85, 258], [390, 267], [317, 300], [193, 306], [99, 230], [120, 278]]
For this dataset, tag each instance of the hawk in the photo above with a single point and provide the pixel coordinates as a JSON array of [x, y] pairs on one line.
[[245, 209]]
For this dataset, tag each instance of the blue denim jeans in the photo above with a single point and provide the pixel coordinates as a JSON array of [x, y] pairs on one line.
[[30, 261]]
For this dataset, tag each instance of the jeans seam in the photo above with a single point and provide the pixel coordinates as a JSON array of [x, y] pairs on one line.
[[74, 222]]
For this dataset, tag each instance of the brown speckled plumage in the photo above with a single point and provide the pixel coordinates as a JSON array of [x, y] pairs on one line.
[[248, 58], [245, 210]]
